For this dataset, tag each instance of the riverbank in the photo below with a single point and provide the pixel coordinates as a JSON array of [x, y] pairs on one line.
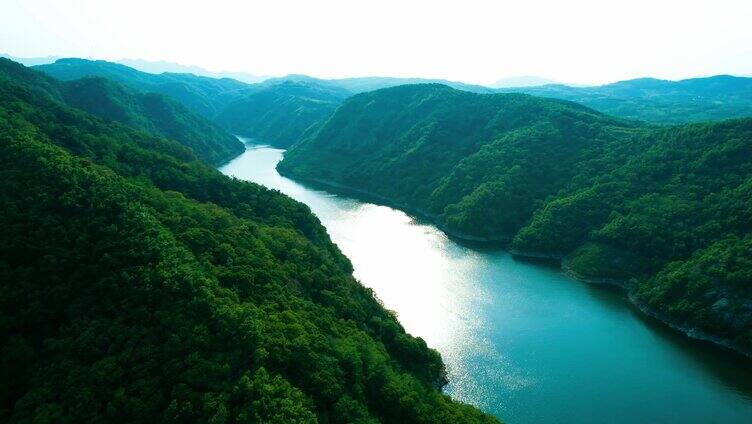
[[368, 196], [690, 332], [626, 286], [561, 261]]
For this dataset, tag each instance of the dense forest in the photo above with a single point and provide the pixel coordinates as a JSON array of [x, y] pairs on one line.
[[139, 284], [276, 111], [280, 113], [659, 101], [151, 112], [665, 211], [279, 110], [202, 95]]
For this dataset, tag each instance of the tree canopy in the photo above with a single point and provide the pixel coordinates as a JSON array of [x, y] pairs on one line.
[[139, 284]]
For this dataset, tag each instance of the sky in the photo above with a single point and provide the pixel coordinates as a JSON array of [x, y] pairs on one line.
[[582, 42]]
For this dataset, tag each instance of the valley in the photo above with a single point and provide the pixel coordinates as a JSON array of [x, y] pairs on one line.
[[514, 333]]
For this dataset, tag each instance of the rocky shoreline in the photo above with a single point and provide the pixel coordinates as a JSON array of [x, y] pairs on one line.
[[690, 332], [504, 242]]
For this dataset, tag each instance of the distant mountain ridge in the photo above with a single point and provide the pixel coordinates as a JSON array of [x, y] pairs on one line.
[[31, 61], [659, 101], [357, 85], [644, 99], [161, 66], [522, 81]]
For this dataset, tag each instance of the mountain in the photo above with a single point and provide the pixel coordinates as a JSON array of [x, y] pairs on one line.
[[150, 112], [363, 84], [663, 211], [276, 111], [202, 95], [138, 284], [660, 101], [279, 114], [154, 113], [522, 81], [30, 61], [359, 85], [161, 66]]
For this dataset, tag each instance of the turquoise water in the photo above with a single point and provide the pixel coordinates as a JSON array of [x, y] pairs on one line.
[[521, 340]]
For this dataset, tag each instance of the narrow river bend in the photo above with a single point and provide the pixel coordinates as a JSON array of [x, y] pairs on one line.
[[521, 340]]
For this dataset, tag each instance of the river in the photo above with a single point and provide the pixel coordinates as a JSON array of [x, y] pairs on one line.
[[520, 339]]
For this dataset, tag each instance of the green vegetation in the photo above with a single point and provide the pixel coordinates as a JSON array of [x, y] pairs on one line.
[[280, 113], [150, 112], [653, 206], [668, 102], [276, 111], [357, 85], [202, 95], [279, 110], [154, 113], [138, 284]]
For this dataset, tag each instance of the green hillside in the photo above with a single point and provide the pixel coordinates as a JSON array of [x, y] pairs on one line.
[[650, 207], [276, 111], [150, 112], [280, 113], [138, 284], [202, 95]]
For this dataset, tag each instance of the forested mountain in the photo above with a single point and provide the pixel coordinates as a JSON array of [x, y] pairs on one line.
[[276, 111], [646, 99], [203, 95], [279, 113], [138, 284], [151, 112], [159, 66], [653, 100], [30, 61], [362, 84], [522, 81], [155, 113], [666, 211]]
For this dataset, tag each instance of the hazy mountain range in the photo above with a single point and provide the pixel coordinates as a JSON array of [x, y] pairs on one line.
[[522, 81]]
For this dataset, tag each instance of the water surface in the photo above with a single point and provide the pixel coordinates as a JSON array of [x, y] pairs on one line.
[[521, 340]]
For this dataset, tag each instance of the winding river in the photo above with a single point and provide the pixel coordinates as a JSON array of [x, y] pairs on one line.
[[520, 339]]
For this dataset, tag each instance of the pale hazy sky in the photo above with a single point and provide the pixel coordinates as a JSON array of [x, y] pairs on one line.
[[473, 41]]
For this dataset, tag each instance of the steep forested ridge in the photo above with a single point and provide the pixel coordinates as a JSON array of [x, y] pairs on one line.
[[660, 101], [202, 95], [664, 210], [277, 111], [280, 113], [151, 112], [138, 284]]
